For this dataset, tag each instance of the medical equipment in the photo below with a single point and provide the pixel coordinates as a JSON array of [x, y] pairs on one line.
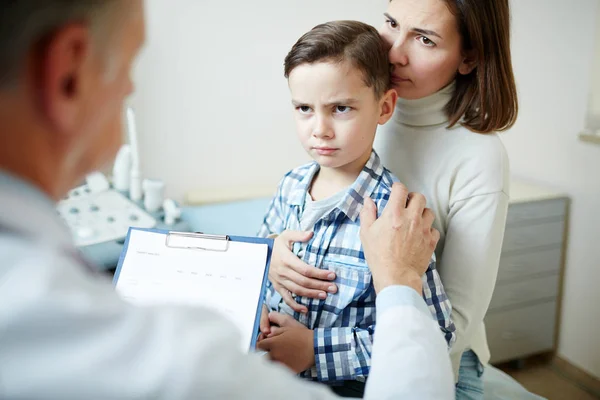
[[172, 212], [97, 213], [101, 215], [135, 189], [122, 169], [153, 194]]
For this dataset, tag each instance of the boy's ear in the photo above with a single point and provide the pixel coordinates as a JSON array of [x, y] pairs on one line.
[[387, 106]]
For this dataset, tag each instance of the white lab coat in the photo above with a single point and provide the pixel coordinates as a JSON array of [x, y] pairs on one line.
[[66, 334]]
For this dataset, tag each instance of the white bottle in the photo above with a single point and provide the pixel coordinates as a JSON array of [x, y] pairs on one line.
[[154, 191], [172, 212]]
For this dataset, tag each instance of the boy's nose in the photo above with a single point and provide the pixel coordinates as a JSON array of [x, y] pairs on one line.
[[322, 129]]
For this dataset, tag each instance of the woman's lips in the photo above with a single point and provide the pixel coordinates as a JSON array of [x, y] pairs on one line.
[[399, 79]]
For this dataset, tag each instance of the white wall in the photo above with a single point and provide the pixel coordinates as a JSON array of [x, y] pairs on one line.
[[553, 43], [212, 104], [213, 110], [593, 116]]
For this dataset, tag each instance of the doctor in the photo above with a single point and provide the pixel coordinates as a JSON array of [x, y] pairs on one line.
[[64, 333]]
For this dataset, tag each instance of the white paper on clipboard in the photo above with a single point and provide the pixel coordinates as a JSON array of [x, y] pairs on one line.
[[155, 270]]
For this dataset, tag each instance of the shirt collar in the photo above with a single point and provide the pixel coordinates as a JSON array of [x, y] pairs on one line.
[[30, 212], [363, 186], [427, 111], [352, 202]]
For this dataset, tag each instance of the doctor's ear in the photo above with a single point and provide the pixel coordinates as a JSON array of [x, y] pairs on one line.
[[63, 69]]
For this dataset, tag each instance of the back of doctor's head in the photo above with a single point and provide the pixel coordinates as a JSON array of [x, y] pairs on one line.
[[65, 72], [344, 41], [25, 24]]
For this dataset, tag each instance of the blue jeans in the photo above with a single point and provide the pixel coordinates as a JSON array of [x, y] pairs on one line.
[[470, 381]]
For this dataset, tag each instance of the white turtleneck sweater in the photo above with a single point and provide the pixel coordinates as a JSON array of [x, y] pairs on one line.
[[465, 178]]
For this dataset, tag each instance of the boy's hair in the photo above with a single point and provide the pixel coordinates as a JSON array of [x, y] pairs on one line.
[[344, 41]]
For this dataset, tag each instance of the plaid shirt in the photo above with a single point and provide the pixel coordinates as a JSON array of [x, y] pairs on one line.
[[343, 323]]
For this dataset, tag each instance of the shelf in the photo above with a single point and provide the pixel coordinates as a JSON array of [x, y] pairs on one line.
[[584, 137]]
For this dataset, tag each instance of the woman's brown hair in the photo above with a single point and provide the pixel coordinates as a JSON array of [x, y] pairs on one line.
[[484, 100]]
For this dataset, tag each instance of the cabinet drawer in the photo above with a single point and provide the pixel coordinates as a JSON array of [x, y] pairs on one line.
[[518, 266], [525, 237], [519, 213], [511, 294], [518, 333]]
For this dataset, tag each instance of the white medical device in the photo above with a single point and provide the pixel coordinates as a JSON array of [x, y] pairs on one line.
[[97, 213], [101, 216], [154, 191], [172, 212], [135, 188]]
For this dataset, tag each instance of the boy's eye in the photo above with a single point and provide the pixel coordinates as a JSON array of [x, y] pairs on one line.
[[342, 109], [426, 41], [391, 23], [303, 109]]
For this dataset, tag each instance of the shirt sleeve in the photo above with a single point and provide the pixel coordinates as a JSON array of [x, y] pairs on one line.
[[274, 219], [68, 335], [406, 331], [469, 264], [273, 224], [439, 305]]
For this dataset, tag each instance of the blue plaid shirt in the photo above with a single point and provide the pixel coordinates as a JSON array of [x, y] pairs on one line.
[[343, 323]]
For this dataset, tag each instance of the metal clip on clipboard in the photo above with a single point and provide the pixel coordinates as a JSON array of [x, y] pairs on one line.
[[197, 241]]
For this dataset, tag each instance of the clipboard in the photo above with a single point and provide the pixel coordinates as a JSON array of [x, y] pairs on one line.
[[201, 242]]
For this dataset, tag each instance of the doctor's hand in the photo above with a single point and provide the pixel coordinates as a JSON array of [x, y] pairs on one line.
[[291, 276], [289, 343], [399, 244]]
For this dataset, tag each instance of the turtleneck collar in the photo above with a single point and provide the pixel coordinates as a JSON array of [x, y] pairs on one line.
[[426, 111]]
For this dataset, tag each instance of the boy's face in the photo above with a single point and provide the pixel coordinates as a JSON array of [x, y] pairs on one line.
[[336, 113]]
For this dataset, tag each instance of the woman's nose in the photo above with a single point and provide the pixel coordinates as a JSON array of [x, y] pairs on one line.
[[398, 53]]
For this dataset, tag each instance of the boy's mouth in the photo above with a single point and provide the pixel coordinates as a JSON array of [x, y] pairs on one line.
[[325, 151]]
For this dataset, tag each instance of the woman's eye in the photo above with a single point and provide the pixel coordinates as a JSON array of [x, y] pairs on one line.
[[391, 23], [304, 109]]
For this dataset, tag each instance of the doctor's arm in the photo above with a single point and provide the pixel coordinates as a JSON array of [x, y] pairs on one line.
[[68, 335]]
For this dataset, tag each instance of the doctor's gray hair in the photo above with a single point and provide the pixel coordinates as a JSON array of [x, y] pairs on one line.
[[27, 23]]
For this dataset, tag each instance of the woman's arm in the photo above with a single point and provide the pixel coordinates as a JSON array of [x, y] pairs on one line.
[[469, 263]]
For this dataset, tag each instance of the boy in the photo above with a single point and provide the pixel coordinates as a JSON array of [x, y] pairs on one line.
[[339, 79]]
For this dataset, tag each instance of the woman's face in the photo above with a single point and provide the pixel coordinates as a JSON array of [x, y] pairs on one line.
[[424, 47]]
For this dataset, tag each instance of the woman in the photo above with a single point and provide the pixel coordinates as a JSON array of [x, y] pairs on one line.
[[452, 71]]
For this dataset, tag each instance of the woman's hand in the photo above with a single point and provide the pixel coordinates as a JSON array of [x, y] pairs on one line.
[[291, 276]]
